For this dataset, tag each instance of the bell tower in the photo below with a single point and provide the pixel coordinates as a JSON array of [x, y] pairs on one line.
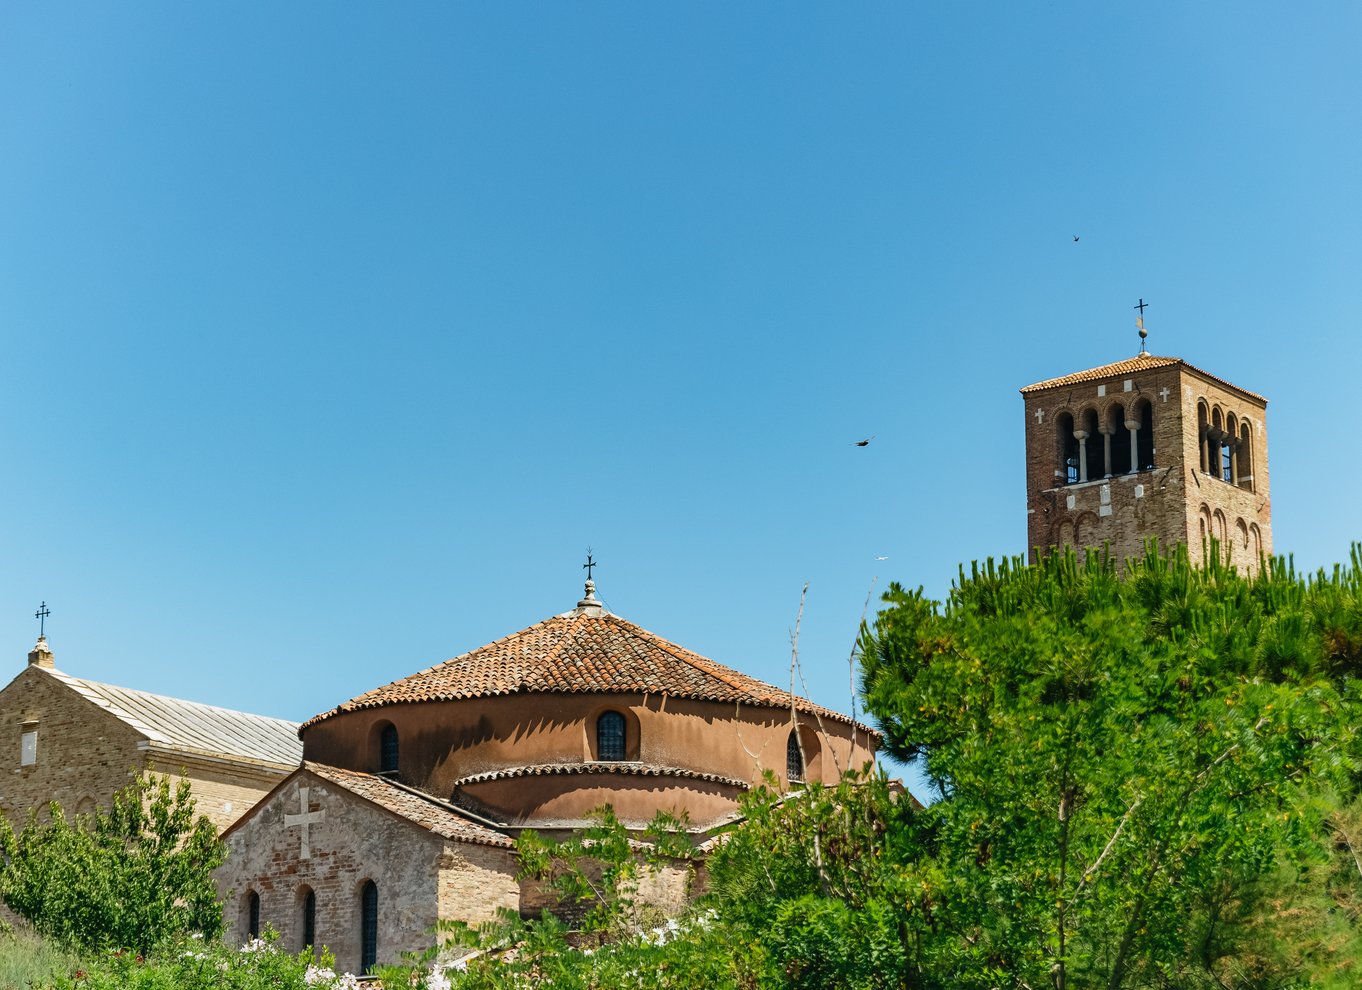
[[1147, 447]]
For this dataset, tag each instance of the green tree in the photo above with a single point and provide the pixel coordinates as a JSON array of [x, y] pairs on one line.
[[127, 878], [1134, 773]]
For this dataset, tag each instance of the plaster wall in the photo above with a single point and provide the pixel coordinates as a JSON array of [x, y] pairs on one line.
[[442, 742]]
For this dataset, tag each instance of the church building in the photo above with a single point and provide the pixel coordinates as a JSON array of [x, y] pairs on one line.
[[1148, 447], [77, 742], [405, 809]]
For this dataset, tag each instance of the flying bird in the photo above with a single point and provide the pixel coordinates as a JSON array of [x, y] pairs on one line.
[[881, 558], [1075, 238], [866, 441]]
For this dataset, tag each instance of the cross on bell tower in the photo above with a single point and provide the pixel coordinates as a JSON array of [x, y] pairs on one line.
[[1144, 448]]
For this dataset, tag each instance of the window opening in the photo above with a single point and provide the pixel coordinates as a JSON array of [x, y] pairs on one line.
[[1145, 438], [387, 760], [28, 748], [368, 949], [1068, 449], [253, 914], [310, 919], [610, 736], [794, 758]]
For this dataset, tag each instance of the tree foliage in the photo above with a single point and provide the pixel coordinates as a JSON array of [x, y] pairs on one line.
[[128, 877], [1141, 779]]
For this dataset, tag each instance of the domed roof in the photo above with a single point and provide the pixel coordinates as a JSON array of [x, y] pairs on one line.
[[587, 650]]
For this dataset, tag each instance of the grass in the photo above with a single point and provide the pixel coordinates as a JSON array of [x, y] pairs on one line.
[[26, 961]]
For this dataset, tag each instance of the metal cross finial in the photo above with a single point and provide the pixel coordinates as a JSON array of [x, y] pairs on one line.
[[41, 615], [1141, 306], [589, 564]]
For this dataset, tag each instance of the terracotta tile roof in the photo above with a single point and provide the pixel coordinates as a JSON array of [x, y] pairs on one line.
[[405, 802], [622, 768], [584, 651], [192, 728], [1141, 362]]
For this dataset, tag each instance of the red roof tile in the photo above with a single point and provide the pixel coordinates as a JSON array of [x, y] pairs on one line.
[[584, 651], [436, 816], [1141, 362], [626, 769]]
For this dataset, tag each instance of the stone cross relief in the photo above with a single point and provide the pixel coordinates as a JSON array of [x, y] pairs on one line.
[[305, 819], [1040, 415], [1163, 392]]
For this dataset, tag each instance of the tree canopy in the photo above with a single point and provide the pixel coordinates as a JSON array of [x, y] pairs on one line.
[[1142, 780]]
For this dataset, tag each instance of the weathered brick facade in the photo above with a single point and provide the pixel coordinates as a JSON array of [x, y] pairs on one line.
[[1141, 449], [66, 743], [421, 876]]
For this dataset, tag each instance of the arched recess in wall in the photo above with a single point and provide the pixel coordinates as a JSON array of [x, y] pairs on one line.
[[1221, 530], [85, 807], [250, 914], [1245, 456], [1230, 458], [1203, 422], [307, 917], [1066, 471], [1064, 534], [1090, 464], [612, 733], [1086, 535], [1243, 552], [1256, 541], [1204, 521], [1120, 439], [1144, 454]]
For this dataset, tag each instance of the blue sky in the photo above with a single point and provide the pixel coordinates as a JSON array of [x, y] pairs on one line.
[[335, 334]]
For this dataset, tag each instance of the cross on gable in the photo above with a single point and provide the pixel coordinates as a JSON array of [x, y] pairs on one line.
[[305, 819]]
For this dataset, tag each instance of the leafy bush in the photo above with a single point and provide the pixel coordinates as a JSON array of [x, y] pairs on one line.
[[128, 878], [198, 964]]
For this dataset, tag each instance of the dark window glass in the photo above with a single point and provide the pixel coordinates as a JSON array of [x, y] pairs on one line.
[[368, 947], [253, 914], [610, 736], [794, 759], [388, 749], [310, 919]]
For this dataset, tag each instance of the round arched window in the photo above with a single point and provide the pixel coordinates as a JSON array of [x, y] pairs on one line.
[[610, 736], [794, 758]]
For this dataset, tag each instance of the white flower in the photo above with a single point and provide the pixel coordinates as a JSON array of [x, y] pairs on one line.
[[255, 945]]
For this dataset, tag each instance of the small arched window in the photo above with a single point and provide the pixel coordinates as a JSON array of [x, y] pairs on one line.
[[252, 914], [794, 758], [368, 925], [309, 919], [610, 736], [387, 749]]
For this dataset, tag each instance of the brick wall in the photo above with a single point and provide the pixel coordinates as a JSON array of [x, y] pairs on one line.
[[418, 874], [1124, 508], [84, 754]]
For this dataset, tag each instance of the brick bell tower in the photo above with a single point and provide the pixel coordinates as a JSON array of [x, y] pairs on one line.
[[1147, 447]]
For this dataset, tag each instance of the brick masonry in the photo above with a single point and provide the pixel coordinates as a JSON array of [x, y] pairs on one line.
[[420, 877], [85, 754], [1177, 500]]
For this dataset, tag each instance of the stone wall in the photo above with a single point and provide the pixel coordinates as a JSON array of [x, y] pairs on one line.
[[420, 876], [83, 753]]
